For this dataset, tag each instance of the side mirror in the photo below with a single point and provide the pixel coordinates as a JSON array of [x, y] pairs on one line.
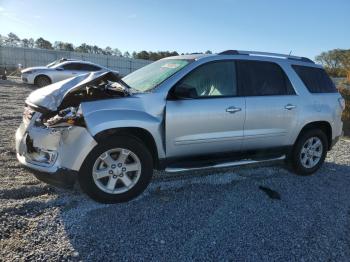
[[184, 92], [59, 68]]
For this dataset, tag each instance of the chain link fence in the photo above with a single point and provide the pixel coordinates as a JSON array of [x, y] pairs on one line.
[[11, 57]]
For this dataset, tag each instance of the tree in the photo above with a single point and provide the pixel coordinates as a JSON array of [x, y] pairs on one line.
[[43, 44], [108, 51], [58, 45], [346, 63], [2, 40], [143, 55], [208, 52], [97, 50], [63, 46], [29, 43], [336, 62], [83, 48], [68, 47], [154, 55], [12, 40], [117, 52], [126, 54]]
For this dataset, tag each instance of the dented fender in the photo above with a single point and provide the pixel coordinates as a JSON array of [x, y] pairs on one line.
[[128, 112]]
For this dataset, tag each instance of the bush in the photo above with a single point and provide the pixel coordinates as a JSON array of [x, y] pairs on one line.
[[345, 92]]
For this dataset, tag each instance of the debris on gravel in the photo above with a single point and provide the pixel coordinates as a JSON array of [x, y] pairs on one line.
[[254, 213]]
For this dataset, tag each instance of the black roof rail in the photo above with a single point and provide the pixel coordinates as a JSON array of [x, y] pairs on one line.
[[229, 52], [256, 53]]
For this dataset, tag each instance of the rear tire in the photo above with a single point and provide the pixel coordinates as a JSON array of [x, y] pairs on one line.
[[42, 81], [117, 170], [309, 152]]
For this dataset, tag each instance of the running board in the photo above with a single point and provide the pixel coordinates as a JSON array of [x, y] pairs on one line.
[[221, 165]]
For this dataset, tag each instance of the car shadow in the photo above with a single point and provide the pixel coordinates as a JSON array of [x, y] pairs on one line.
[[218, 215]]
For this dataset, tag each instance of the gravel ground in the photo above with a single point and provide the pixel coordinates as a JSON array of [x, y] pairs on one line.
[[256, 213]]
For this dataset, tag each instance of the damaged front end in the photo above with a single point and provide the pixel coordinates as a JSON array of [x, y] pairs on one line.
[[53, 139]]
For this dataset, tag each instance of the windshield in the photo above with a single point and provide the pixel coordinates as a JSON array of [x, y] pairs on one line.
[[53, 63], [150, 76]]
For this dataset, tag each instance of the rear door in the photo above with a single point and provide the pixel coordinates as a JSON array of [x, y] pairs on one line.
[[204, 115], [87, 68], [70, 70], [272, 106]]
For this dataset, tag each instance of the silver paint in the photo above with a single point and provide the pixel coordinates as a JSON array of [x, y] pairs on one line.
[[197, 126]]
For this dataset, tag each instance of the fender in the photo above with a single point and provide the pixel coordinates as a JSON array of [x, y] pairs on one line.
[[119, 114]]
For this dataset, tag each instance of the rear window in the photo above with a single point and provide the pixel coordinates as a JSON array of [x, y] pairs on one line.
[[315, 79], [260, 78]]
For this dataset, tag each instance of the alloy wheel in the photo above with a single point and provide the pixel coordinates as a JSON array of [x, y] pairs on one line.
[[116, 170]]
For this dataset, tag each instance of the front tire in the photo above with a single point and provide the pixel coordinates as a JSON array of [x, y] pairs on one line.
[[41, 81], [309, 152], [117, 170]]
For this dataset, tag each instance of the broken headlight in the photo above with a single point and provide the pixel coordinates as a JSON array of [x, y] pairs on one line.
[[71, 116]]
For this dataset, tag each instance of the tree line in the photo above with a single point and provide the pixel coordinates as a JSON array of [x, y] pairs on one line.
[[336, 62], [13, 40]]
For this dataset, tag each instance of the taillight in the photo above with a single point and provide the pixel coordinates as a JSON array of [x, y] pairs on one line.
[[341, 102]]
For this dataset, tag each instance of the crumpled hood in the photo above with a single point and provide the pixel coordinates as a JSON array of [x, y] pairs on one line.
[[50, 97], [34, 68]]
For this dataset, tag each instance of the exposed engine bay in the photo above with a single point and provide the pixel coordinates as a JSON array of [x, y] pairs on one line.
[[69, 113]]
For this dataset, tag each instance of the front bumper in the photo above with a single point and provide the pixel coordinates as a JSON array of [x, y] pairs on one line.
[[27, 78], [60, 177], [55, 155]]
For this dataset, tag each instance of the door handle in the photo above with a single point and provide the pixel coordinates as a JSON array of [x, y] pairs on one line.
[[233, 109], [290, 106]]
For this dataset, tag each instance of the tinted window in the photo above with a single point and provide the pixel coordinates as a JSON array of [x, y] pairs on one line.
[[81, 67], [210, 80], [316, 80], [71, 66], [259, 78], [88, 67]]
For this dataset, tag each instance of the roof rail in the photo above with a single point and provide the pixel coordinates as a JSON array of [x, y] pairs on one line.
[[257, 53]]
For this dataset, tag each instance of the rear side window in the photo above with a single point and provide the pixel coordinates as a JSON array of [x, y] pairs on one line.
[[260, 78], [71, 66], [88, 67], [315, 79]]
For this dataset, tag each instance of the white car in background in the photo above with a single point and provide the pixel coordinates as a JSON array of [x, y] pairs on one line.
[[59, 70]]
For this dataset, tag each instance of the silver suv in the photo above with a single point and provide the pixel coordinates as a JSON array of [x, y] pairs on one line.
[[177, 114]]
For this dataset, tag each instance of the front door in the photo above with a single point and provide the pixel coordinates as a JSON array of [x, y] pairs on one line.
[[203, 113]]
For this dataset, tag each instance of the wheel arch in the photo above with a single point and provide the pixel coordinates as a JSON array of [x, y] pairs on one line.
[[141, 134], [325, 126], [41, 75]]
